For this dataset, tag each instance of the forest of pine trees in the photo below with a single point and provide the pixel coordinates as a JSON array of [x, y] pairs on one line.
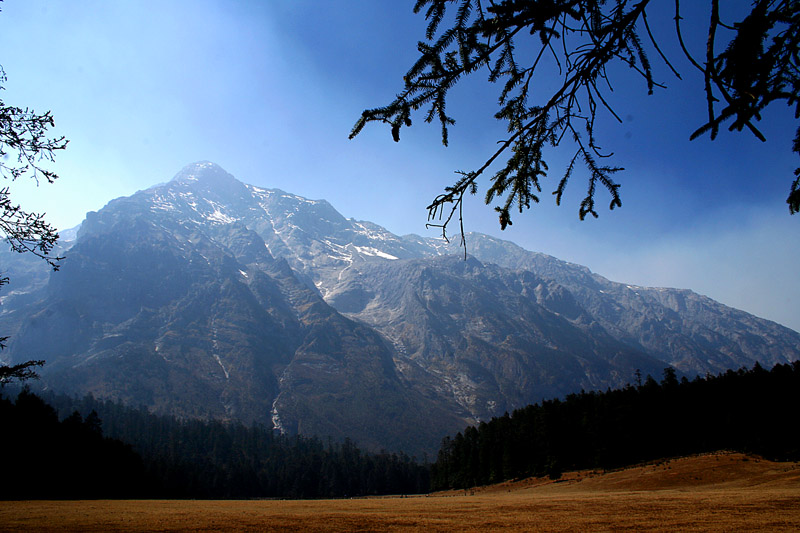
[[753, 411], [163, 457], [43, 457], [58, 447]]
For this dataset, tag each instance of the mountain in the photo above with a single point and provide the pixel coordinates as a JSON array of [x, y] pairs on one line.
[[206, 297], [691, 332]]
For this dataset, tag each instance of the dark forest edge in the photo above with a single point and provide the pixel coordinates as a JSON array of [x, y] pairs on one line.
[[151, 456], [752, 411], [54, 446]]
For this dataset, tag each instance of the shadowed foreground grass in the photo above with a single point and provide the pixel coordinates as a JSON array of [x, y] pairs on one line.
[[716, 492]]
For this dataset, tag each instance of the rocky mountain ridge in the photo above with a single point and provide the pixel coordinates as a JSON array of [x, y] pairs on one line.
[[207, 297]]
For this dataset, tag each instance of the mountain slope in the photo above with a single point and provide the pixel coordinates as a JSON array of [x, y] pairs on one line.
[[200, 320], [486, 333], [206, 297], [691, 332]]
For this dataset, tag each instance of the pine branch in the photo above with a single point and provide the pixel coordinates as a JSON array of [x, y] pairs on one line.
[[593, 35]]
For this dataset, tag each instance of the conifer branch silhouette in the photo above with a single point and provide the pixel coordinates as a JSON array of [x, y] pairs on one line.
[[584, 39]]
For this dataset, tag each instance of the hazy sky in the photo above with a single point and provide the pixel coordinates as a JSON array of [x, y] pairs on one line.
[[270, 89]]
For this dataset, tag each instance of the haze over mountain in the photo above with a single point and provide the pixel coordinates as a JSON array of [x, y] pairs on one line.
[[206, 297]]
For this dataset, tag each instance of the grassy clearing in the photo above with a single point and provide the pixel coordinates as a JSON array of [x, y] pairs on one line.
[[717, 492]]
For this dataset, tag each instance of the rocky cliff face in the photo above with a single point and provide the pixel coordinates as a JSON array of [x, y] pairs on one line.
[[206, 297], [691, 332]]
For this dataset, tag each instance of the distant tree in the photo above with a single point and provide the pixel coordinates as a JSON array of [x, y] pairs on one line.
[[24, 147], [670, 379], [747, 66]]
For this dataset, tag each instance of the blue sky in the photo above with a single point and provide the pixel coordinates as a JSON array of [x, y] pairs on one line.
[[270, 89]]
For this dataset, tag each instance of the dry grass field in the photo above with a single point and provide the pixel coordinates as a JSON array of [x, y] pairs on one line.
[[716, 492]]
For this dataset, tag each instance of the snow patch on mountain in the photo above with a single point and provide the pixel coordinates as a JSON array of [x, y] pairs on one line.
[[373, 233], [373, 252], [217, 214], [162, 203], [277, 425], [338, 251], [225, 370]]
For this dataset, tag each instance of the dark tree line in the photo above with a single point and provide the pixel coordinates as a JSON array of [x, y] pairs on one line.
[[163, 457], [753, 411], [143, 455], [43, 457]]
